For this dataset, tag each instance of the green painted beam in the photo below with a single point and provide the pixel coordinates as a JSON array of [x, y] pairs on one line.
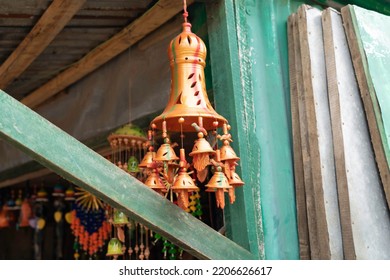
[[78, 164], [235, 101]]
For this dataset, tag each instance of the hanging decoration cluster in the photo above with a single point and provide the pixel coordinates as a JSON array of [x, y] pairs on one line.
[[189, 111], [129, 239]]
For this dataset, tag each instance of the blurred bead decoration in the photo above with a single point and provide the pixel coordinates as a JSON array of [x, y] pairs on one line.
[[89, 224]]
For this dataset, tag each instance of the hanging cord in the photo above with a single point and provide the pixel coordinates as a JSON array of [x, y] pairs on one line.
[[185, 14]]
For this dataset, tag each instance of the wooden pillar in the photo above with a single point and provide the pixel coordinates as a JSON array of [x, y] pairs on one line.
[[248, 49], [243, 218]]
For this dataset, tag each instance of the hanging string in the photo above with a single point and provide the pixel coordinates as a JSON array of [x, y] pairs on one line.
[[130, 84], [185, 14], [181, 135]]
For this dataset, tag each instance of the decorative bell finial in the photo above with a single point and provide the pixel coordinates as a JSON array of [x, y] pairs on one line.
[[188, 97]]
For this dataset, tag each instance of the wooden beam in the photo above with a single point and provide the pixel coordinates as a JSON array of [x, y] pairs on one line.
[[295, 73], [57, 15], [75, 162], [160, 13], [42, 171], [25, 177]]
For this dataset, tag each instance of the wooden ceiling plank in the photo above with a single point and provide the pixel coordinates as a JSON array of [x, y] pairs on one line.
[[58, 14], [160, 13]]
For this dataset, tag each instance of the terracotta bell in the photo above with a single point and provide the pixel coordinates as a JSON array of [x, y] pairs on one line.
[[114, 248], [154, 182], [219, 183], [227, 153], [148, 159], [201, 153], [188, 97], [166, 153], [182, 186], [235, 180]]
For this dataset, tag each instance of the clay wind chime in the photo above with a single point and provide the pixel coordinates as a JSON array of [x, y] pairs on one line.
[[129, 239], [189, 111]]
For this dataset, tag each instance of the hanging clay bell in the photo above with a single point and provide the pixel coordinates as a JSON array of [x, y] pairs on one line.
[[148, 159], [201, 153], [154, 182], [227, 153], [119, 218], [166, 153], [219, 183], [235, 180], [114, 248], [188, 96], [182, 186]]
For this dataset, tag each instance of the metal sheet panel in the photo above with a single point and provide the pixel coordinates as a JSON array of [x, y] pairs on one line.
[[370, 219]]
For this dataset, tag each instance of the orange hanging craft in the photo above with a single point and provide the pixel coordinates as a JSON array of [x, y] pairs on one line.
[[190, 111]]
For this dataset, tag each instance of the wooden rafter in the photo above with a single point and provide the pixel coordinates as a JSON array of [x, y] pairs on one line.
[[57, 15], [160, 13]]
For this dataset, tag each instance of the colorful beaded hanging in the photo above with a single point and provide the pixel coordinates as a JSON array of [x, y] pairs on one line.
[[89, 224]]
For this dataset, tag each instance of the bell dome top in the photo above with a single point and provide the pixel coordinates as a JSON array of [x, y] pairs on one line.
[[187, 47]]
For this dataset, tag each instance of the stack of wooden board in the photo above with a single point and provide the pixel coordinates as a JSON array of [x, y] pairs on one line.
[[341, 206]]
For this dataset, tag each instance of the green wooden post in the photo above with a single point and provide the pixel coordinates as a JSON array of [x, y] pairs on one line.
[[234, 100], [265, 24], [248, 48], [72, 160]]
